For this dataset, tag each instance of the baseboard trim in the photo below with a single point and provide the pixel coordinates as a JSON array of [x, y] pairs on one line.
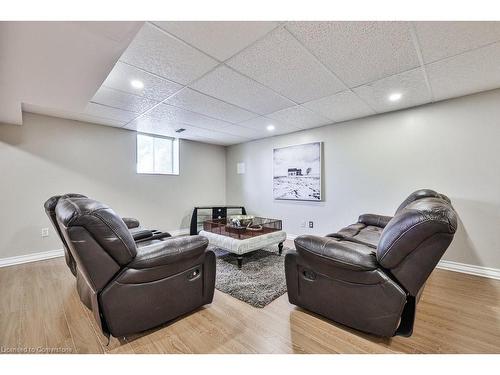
[[491, 273], [28, 258]]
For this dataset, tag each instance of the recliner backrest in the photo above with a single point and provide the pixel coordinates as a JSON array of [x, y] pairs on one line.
[[420, 194], [97, 237], [50, 210], [415, 239]]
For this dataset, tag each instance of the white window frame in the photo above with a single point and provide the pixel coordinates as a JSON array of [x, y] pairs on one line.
[[175, 155]]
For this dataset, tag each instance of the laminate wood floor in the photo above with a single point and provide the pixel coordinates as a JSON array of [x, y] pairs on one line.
[[40, 308]]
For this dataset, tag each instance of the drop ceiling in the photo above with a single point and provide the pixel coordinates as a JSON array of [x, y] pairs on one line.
[[227, 82]]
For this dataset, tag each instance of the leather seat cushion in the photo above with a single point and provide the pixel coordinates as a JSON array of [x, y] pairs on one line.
[[361, 232]]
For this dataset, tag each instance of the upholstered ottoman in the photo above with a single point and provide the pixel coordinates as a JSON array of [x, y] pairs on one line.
[[243, 246]]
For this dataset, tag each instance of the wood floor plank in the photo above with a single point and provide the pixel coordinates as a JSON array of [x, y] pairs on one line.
[[10, 327], [11, 287], [32, 329], [40, 307], [83, 335], [56, 327]]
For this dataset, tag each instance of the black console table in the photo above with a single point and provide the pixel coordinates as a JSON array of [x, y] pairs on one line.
[[200, 214]]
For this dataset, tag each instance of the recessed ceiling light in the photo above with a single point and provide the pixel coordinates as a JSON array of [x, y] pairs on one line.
[[394, 97], [270, 128], [136, 84]]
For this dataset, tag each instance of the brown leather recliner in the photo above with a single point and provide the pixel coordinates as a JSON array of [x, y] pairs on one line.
[[369, 276], [138, 233], [132, 287]]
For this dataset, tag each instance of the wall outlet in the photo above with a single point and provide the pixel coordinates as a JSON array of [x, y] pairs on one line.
[[311, 224], [303, 224], [45, 232], [240, 168]]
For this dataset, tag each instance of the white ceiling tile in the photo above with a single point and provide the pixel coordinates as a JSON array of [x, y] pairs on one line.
[[280, 62], [171, 114], [261, 123], [103, 111], [359, 52], [299, 117], [157, 52], [155, 87], [153, 125], [443, 39], [193, 131], [411, 85], [470, 72], [341, 107], [219, 39], [217, 140], [243, 131], [122, 100], [196, 138], [226, 139], [206, 105], [232, 87]]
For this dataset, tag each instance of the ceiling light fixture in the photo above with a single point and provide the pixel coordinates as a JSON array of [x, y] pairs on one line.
[[136, 84], [394, 97], [270, 128]]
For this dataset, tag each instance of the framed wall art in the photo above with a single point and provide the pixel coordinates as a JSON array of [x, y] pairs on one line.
[[297, 172]]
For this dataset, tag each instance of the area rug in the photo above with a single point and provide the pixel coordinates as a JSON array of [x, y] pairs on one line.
[[259, 282]]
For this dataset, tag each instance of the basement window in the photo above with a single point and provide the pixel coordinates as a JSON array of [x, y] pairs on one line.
[[157, 155]]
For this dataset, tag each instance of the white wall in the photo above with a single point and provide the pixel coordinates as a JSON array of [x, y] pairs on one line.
[[372, 164], [48, 156]]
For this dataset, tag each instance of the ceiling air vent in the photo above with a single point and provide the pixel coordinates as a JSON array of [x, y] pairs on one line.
[[180, 130]]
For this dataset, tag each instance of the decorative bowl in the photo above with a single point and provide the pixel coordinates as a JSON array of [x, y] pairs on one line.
[[242, 220]]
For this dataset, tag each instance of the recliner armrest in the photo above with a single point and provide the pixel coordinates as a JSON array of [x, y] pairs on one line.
[[131, 222], [169, 251], [139, 234], [375, 220], [152, 237], [351, 256]]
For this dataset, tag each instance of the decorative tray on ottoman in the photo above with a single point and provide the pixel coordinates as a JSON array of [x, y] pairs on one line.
[[242, 226]]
